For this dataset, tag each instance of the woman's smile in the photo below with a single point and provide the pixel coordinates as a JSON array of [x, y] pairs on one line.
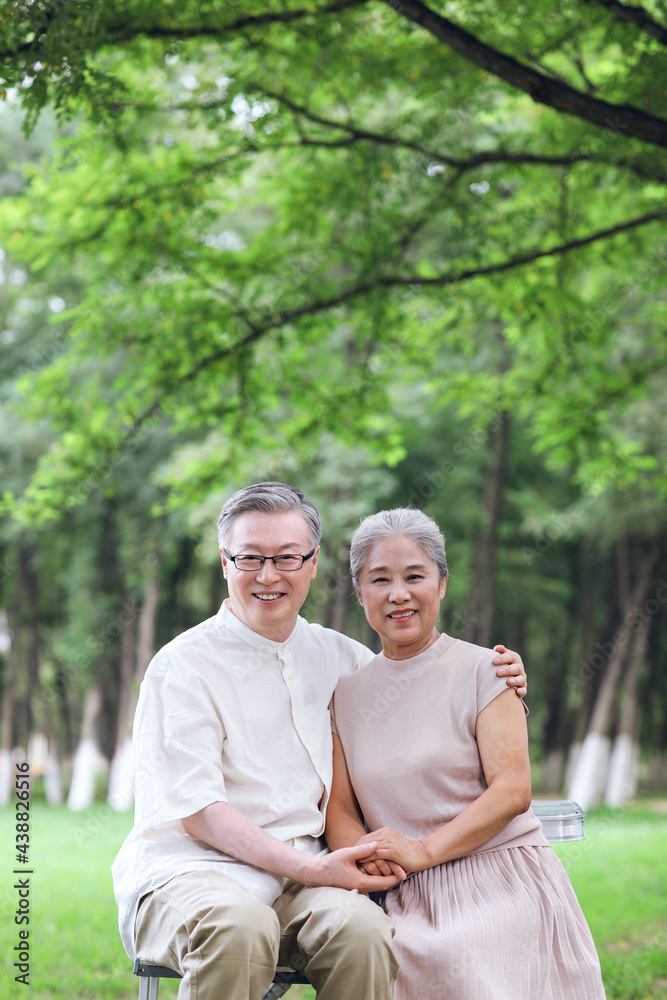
[[400, 589]]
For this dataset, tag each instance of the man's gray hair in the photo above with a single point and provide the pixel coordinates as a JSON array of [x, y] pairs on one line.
[[268, 498], [406, 521]]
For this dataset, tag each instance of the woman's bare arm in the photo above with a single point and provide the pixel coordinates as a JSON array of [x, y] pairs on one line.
[[503, 745], [225, 828], [344, 823]]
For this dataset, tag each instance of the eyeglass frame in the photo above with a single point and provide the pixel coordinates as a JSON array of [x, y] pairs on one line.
[[263, 559]]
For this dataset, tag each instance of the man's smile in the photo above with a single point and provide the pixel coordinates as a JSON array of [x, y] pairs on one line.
[[397, 615]]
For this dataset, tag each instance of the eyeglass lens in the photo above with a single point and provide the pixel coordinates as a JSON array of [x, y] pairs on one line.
[[281, 562]]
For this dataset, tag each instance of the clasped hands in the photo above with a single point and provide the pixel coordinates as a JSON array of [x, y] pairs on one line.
[[394, 854], [378, 861]]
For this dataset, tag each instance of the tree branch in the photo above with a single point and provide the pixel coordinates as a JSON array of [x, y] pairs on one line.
[[622, 118], [507, 265], [259, 329], [357, 134], [248, 21], [125, 32], [634, 15]]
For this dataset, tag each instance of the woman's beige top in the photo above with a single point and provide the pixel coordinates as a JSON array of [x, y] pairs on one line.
[[408, 730]]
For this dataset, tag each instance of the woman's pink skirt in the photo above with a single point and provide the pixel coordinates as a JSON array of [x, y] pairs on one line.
[[501, 925]]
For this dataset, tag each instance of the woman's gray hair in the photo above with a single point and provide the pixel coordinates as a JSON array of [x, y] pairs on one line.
[[268, 498], [406, 521]]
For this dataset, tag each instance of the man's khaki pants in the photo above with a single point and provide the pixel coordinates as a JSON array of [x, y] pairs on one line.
[[226, 943]]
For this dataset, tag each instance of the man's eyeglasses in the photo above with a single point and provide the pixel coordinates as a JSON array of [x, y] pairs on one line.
[[252, 564]]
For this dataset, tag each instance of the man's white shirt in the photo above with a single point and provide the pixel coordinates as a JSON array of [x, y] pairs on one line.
[[227, 715]]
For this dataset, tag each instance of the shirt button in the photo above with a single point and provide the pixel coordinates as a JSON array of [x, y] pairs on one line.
[[281, 649], [291, 677], [302, 726], [319, 767]]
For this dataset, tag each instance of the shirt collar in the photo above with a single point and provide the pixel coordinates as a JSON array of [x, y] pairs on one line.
[[228, 620]]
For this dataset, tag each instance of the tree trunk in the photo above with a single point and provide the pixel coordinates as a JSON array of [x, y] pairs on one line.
[[53, 781], [483, 574], [590, 774], [339, 584], [602, 711], [53, 784], [581, 679], [121, 777], [6, 742], [127, 665], [623, 767], [87, 757], [556, 725], [148, 619], [653, 701], [656, 775], [111, 627], [52, 773], [218, 586], [61, 685], [30, 613]]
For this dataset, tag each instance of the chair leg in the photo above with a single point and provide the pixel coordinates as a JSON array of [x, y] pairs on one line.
[[149, 984], [276, 991], [148, 988]]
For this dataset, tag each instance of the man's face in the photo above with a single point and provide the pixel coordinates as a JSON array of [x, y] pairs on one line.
[[268, 600]]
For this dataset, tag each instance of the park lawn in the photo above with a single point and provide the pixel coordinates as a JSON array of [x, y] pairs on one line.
[[619, 873]]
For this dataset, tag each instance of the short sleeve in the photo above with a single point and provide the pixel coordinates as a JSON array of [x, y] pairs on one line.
[[352, 655], [489, 685], [178, 743], [332, 713]]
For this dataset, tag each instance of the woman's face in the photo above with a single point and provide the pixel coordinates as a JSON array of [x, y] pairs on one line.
[[400, 590]]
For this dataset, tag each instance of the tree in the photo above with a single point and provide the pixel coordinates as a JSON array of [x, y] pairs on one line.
[[588, 782], [354, 178], [297, 240]]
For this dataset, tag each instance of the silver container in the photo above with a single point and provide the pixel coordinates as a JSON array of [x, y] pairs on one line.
[[561, 819]]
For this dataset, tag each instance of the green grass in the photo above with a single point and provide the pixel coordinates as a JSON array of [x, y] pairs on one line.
[[74, 942], [619, 873]]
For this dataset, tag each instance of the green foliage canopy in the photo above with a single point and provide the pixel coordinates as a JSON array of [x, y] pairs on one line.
[[282, 219]]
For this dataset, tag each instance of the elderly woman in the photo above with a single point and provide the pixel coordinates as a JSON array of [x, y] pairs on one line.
[[431, 757]]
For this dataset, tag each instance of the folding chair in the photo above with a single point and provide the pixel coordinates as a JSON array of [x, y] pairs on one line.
[[150, 976]]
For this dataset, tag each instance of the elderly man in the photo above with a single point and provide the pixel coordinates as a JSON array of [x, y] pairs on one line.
[[226, 872]]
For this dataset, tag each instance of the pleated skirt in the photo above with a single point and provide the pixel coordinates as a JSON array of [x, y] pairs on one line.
[[501, 925]]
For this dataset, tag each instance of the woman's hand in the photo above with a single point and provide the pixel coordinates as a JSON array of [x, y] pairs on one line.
[[393, 848], [511, 666], [346, 868], [384, 868]]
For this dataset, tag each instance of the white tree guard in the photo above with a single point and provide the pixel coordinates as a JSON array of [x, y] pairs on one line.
[[53, 782], [6, 777], [572, 759], [84, 771], [121, 777], [623, 772], [589, 778]]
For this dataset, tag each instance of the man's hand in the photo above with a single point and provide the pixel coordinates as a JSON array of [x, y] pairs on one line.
[[225, 828], [392, 848], [342, 868], [511, 666]]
